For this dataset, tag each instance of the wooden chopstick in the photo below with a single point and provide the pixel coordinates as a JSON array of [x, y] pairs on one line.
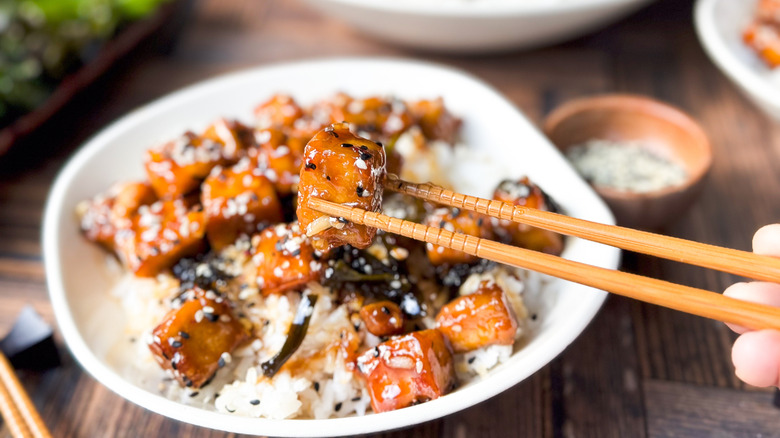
[[733, 261], [18, 410], [662, 293]]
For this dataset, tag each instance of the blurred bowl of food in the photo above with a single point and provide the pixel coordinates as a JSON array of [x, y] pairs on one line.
[[741, 38], [463, 26], [646, 159]]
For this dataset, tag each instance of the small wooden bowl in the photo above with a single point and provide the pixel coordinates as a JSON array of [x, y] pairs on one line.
[[662, 129]]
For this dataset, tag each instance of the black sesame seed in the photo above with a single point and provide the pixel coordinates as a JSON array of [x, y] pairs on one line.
[[221, 362], [187, 381], [173, 365], [385, 310], [337, 407], [254, 402], [480, 221], [355, 399], [317, 386], [213, 317], [296, 253], [165, 356], [442, 223], [455, 211], [327, 177], [471, 359], [533, 317], [347, 145], [184, 334], [365, 156], [360, 190], [193, 394], [364, 147], [376, 352], [176, 344], [206, 383], [342, 220], [380, 144], [229, 410], [311, 166]]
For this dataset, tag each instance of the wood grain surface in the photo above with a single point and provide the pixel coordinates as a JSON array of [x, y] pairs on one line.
[[636, 371]]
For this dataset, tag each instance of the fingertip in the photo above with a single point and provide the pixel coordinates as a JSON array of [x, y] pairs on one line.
[[738, 291], [766, 241], [756, 358]]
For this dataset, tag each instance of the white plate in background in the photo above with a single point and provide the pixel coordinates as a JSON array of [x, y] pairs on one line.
[[79, 280], [476, 26], [719, 24]]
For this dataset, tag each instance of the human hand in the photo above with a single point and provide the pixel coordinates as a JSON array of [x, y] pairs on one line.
[[756, 353]]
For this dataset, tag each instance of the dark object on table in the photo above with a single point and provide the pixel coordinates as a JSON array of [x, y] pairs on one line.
[[30, 343], [98, 58]]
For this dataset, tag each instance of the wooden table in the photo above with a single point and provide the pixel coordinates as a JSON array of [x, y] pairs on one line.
[[637, 370]]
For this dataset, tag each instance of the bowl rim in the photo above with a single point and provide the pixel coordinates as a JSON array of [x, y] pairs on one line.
[[665, 111], [724, 58], [55, 210], [485, 9]]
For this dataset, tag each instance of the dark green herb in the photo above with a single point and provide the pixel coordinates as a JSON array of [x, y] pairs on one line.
[[295, 336]]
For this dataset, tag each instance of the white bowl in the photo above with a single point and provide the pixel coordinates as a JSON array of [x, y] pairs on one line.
[[79, 280], [476, 26], [719, 24]]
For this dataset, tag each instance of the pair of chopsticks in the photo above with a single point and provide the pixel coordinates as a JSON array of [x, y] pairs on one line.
[[16, 407], [674, 296]]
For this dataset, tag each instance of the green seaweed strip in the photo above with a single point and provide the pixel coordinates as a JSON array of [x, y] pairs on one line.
[[295, 335]]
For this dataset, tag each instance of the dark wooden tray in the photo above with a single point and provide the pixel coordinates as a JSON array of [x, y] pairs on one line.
[[168, 19]]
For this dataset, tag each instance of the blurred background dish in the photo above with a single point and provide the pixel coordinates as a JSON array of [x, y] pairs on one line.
[[720, 25], [476, 26], [663, 141]]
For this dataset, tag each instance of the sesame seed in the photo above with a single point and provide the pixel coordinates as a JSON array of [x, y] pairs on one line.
[[254, 402], [311, 166], [347, 145]]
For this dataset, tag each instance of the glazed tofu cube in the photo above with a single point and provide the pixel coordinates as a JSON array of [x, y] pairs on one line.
[[407, 370], [284, 259], [101, 216], [457, 221], [196, 339], [278, 158], [178, 167], [768, 11], [435, 121], [477, 320], [764, 39], [382, 318], [524, 192], [378, 117], [342, 168], [160, 235], [237, 201], [280, 110]]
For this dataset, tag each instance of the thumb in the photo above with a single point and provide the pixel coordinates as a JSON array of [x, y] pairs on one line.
[[766, 241]]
